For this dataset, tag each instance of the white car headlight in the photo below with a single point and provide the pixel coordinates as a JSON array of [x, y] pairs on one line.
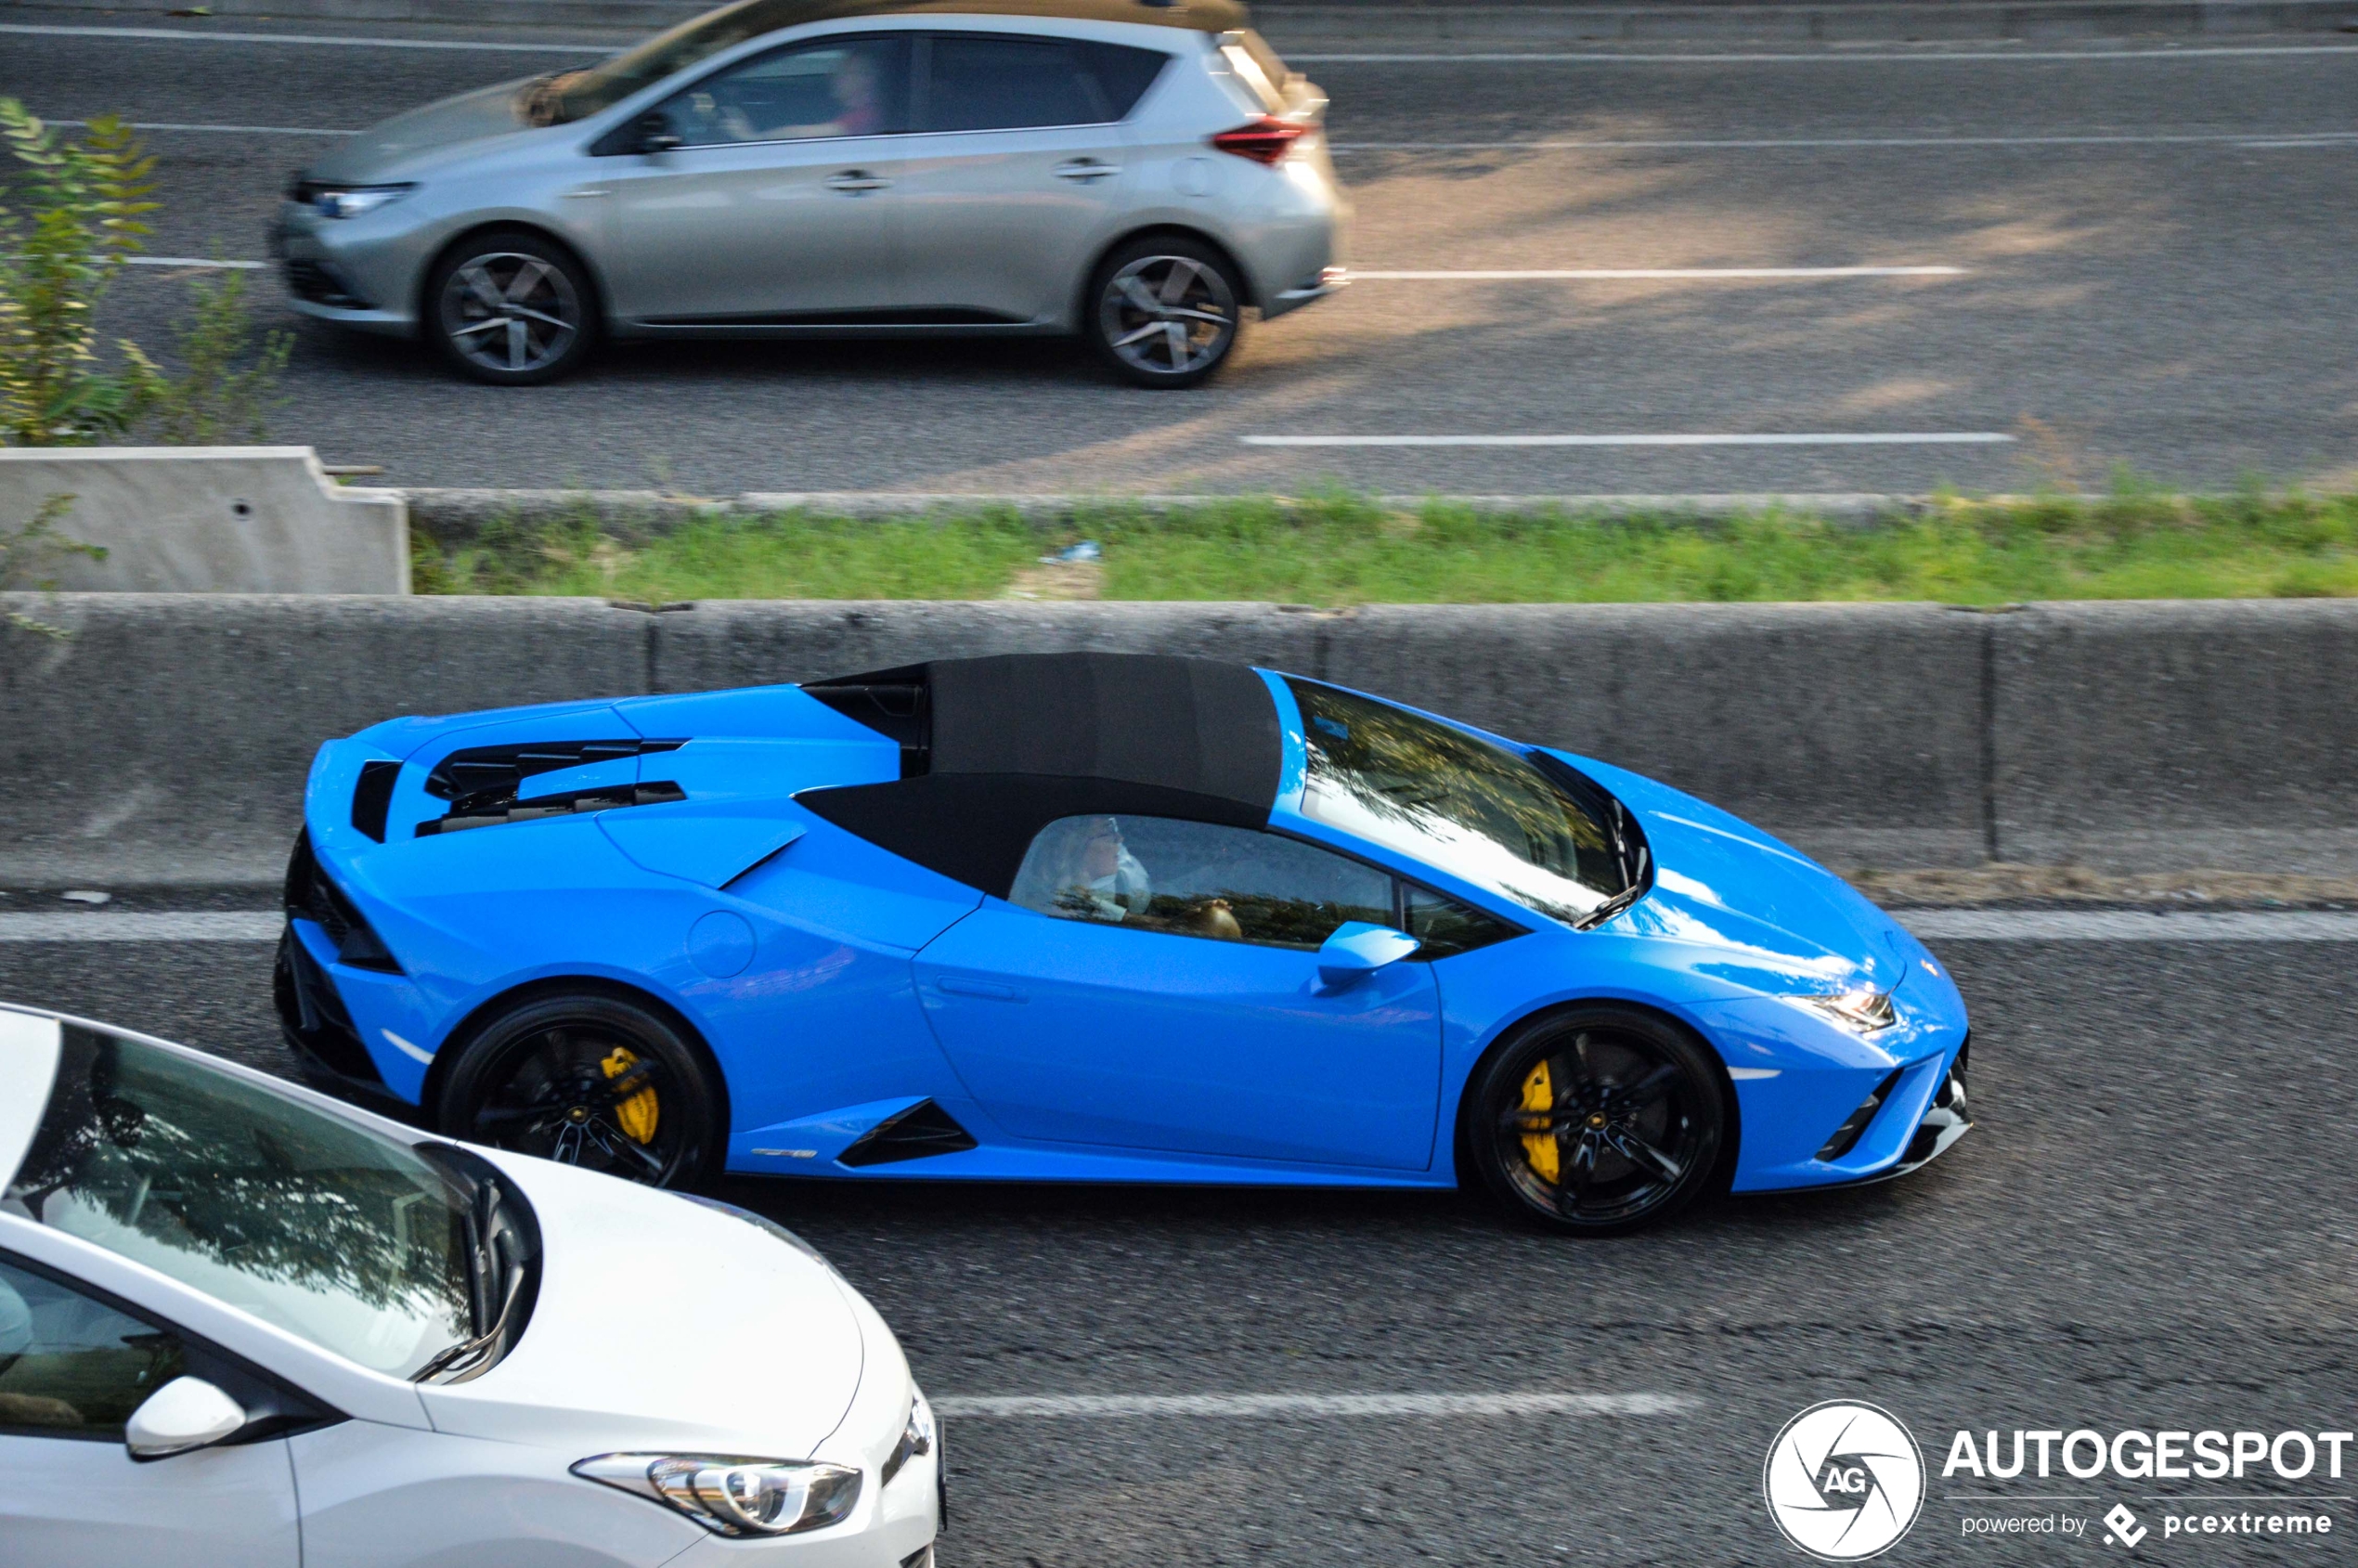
[[351, 200], [1863, 1011], [732, 1496]]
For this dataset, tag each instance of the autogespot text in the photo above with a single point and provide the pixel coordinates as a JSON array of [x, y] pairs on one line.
[[2152, 1455]]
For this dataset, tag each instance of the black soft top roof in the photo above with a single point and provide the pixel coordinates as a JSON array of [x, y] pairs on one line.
[[993, 750]]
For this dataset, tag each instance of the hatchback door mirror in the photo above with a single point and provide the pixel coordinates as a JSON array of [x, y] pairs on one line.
[[185, 1413], [1357, 949], [655, 133]]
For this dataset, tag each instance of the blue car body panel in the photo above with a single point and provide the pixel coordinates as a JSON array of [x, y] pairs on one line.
[[839, 984]]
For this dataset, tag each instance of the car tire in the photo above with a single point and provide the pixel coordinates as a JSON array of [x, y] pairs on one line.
[[1184, 287], [1634, 1101], [511, 307], [545, 1078]]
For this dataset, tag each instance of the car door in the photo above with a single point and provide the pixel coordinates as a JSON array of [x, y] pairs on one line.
[[73, 1368], [1018, 164], [778, 202], [1153, 983]]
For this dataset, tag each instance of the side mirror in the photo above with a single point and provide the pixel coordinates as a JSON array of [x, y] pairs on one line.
[[1357, 949], [655, 133], [185, 1413]]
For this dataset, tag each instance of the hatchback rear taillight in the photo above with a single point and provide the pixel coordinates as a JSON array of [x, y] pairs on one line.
[[1265, 140]]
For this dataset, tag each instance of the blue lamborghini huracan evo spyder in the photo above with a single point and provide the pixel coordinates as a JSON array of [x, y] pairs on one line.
[[1099, 917]]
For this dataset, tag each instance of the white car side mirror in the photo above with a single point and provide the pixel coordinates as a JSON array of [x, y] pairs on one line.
[[185, 1413]]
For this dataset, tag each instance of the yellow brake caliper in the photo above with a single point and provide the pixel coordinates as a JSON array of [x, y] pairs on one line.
[[637, 1114], [1539, 1148]]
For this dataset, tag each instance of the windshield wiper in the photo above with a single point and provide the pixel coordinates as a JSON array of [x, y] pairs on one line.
[[1609, 908], [445, 1359]]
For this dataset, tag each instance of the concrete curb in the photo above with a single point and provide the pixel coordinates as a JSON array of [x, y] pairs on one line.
[[167, 740], [209, 520], [458, 516], [1307, 28]]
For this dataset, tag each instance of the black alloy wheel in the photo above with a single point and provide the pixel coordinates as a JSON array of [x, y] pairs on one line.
[[1164, 311], [1597, 1121], [511, 308], [593, 1081]]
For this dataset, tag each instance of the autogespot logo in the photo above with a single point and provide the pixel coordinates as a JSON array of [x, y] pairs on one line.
[[1844, 1480]]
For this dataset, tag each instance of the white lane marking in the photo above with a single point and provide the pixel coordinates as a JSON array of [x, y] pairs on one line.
[[1119, 1406], [404, 1047], [2129, 926], [197, 261], [212, 925], [1832, 438], [224, 130], [1845, 58], [2206, 138], [185, 37], [1697, 273]]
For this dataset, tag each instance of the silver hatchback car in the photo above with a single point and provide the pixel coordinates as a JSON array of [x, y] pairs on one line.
[[1138, 172]]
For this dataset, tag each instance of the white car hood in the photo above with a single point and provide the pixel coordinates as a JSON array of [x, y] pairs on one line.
[[661, 1323]]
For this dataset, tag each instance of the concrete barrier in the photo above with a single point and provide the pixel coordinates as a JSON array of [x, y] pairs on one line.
[[2130, 737], [210, 520], [167, 740]]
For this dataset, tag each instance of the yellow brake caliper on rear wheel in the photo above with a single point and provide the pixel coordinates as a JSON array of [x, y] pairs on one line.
[[637, 1114], [1539, 1095]]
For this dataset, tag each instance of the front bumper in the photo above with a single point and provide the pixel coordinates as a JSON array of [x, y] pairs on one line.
[[1948, 1119], [360, 273]]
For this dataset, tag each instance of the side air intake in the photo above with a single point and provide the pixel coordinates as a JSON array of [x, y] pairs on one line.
[[1847, 1136], [923, 1130]]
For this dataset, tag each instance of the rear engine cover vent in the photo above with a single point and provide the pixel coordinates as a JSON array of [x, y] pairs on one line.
[[481, 810], [499, 769], [923, 1129]]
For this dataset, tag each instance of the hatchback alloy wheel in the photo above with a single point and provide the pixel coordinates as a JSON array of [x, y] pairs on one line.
[[1166, 313], [512, 309]]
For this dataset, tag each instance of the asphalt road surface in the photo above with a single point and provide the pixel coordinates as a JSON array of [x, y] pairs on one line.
[[2151, 249], [2151, 1228]]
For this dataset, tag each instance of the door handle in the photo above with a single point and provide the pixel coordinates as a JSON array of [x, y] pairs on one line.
[[1086, 170], [988, 989], [855, 182]]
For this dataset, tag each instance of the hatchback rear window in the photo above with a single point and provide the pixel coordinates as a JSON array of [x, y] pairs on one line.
[[989, 82]]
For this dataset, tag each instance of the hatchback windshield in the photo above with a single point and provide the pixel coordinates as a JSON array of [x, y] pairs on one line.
[[1455, 802], [577, 95], [334, 1233]]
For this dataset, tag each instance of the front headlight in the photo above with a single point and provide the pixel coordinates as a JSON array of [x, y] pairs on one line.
[[733, 1496], [915, 1438], [351, 200], [1863, 1012]]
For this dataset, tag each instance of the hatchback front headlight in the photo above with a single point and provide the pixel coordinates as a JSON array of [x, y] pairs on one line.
[[350, 201], [732, 1496], [1863, 1012]]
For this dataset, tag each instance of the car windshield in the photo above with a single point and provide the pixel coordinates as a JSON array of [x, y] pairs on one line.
[[1455, 802], [577, 95], [337, 1234]]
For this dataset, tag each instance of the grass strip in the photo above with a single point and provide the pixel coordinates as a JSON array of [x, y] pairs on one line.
[[1341, 550]]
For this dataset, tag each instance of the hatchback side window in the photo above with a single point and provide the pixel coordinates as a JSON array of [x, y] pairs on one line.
[[1197, 879], [73, 1366], [988, 82], [841, 87]]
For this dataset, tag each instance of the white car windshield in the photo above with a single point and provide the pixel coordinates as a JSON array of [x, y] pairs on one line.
[[1460, 803], [337, 1234]]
